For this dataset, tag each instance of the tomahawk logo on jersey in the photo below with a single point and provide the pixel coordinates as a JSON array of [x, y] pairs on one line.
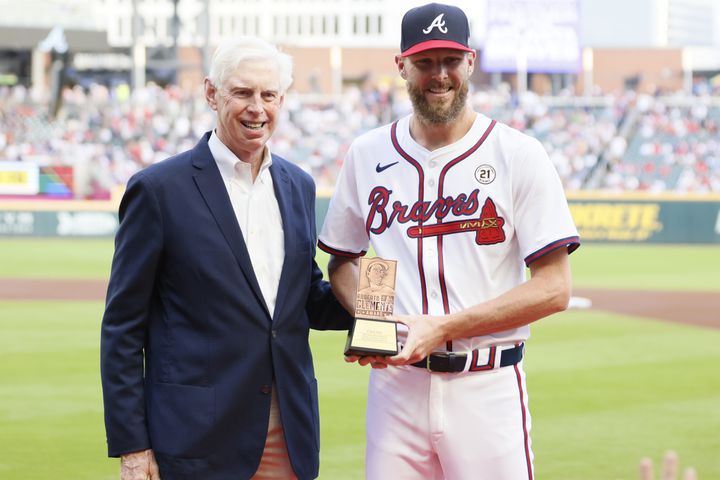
[[454, 218]]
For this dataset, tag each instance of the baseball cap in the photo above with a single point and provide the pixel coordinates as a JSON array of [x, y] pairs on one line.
[[434, 26]]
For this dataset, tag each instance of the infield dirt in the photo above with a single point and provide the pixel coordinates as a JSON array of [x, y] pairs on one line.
[[696, 308]]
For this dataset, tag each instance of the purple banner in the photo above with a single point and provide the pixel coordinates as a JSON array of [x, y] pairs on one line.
[[532, 35]]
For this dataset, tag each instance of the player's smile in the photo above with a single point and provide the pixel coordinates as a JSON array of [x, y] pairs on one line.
[[437, 82], [440, 92], [439, 89]]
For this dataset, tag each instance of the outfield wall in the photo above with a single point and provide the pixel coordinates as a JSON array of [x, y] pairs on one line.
[[599, 217], [642, 218]]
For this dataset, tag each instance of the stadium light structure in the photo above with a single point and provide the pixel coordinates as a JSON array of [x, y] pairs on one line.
[[142, 59], [138, 50], [56, 44]]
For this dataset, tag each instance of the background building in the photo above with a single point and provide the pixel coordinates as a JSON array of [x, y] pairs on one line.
[[614, 44]]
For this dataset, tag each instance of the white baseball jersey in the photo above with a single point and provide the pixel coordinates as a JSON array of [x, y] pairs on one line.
[[462, 221]]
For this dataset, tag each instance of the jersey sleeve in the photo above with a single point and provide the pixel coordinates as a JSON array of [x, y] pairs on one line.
[[542, 217], [343, 232]]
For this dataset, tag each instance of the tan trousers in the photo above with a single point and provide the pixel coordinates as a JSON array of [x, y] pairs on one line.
[[275, 463]]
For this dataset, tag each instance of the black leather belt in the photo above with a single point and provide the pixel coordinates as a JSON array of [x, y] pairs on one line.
[[446, 362]]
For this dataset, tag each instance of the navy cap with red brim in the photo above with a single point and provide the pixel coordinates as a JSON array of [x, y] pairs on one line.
[[434, 26]]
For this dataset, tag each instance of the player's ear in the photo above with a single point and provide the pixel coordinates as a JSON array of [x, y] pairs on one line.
[[400, 62], [471, 57]]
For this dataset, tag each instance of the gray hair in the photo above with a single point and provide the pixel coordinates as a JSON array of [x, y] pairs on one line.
[[231, 53]]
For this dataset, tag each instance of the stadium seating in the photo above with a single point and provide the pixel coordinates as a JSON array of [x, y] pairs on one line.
[[621, 142]]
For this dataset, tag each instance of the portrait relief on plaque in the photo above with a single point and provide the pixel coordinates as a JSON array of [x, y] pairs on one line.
[[376, 288]]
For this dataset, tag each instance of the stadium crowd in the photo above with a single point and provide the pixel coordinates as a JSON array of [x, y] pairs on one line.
[[622, 142], [675, 147]]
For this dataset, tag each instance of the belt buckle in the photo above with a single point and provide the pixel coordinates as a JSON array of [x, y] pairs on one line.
[[448, 355]]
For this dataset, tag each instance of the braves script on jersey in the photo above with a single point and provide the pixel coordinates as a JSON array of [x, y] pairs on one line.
[[462, 221]]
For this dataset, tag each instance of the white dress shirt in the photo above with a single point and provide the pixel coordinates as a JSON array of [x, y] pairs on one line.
[[257, 213]]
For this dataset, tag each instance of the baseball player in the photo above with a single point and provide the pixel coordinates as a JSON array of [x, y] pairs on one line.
[[463, 204]]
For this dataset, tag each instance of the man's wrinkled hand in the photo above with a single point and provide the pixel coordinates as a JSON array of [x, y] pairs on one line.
[[139, 466]]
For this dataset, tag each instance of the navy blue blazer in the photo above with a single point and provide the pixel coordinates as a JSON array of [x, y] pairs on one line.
[[188, 348]]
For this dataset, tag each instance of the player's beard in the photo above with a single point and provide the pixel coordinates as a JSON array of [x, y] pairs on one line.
[[438, 114]]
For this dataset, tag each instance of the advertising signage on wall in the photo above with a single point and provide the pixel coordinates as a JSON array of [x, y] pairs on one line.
[[17, 224], [30, 179], [625, 222], [598, 219], [58, 224], [19, 178], [647, 221]]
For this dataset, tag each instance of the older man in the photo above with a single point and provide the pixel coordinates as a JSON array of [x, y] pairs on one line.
[[206, 368]]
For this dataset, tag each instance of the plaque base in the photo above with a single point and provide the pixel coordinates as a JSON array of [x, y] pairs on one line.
[[372, 337]]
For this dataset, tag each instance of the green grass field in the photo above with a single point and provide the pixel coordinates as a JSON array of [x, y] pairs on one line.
[[604, 389]]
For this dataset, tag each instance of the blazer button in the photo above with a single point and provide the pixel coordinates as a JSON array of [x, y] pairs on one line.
[[273, 333], [265, 389]]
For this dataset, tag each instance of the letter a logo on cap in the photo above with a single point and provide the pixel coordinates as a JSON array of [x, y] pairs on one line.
[[439, 23]]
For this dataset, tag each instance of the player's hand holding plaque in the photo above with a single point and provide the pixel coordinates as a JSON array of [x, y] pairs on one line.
[[372, 334]]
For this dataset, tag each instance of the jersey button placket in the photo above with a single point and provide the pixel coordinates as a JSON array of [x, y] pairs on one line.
[[430, 245], [431, 170], [430, 268]]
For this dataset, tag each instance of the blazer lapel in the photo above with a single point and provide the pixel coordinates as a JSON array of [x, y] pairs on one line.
[[285, 195], [212, 188]]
